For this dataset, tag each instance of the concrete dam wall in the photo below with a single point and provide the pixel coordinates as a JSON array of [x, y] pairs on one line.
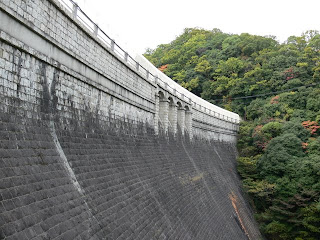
[[94, 145]]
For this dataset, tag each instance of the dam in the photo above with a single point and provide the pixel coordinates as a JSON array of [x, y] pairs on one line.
[[98, 144]]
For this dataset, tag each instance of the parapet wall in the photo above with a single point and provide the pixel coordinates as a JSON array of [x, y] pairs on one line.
[[127, 88], [94, 73]]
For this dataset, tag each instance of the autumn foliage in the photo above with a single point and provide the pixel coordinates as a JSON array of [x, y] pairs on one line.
[[274, 100], [311, 126], [275, 88], [163, 67], [290, 73]]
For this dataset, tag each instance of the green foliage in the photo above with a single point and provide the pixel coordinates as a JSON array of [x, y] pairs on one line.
[[277, 230], [313, 102], [255, 109], [272, 129], [245, 140], [275, 89], [280, 152], [247, 166], [297, 129], [314, 146]]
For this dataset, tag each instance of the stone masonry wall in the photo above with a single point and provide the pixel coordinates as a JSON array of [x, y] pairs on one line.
[[49, 31], [48, 28], [70, 172], [79, 158], [213, 127]]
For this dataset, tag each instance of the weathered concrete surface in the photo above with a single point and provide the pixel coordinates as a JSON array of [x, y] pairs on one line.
[[133, 185], [79, 157]]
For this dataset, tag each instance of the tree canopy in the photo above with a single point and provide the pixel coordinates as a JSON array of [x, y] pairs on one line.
[[275, 89]]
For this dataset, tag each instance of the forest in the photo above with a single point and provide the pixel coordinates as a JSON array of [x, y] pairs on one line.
[[274, 87]]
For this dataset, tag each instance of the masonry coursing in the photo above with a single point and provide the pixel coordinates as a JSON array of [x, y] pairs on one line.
[[82, 155], [67, 36]]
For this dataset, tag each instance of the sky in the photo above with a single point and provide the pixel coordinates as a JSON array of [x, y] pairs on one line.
[[140, 24]]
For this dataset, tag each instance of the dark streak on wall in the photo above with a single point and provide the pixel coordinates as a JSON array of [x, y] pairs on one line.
[[136, 185]]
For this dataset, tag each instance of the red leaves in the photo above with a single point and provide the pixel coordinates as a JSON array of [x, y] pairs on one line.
[[311, 126], [163, 67], [290, 73], [257, 130], [275, 100], [304, 145], [259, 139]]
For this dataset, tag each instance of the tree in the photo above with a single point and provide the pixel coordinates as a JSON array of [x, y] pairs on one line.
[[279, 154], [275, 89]]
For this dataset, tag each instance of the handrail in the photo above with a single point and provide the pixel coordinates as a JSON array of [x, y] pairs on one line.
[[121, 53]]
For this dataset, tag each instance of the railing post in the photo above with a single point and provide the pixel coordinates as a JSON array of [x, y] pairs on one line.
[[126, 56], [75, 10], [112, 45], [96, 29], [148, 74], [137, 66]]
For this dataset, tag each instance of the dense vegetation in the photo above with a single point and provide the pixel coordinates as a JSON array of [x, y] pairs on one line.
[[275, 89]]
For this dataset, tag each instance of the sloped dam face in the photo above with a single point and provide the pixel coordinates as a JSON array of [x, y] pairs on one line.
[[83, 153], [115, 181]]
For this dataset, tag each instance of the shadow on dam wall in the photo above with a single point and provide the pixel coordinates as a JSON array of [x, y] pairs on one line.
[[110, 179]]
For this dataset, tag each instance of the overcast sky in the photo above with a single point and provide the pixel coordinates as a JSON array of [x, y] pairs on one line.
[[140, 24]]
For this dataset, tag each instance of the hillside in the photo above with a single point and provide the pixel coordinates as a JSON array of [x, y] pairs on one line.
[[275, 89]]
